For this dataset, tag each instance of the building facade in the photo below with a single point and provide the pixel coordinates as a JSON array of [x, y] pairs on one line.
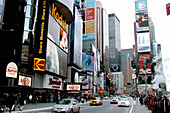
[[114, 41]]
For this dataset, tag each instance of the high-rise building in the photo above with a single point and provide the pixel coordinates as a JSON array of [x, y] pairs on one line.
[[114, 42]]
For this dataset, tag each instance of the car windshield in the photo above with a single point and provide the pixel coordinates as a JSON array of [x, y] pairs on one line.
[[96, 98], [65, 102], [123, 99], [115, 98]]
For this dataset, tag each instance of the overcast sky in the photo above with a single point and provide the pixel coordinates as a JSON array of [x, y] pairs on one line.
[[125, 11]]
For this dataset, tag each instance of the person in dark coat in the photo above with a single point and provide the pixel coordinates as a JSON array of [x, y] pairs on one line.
[[141, 100], [21, 102]]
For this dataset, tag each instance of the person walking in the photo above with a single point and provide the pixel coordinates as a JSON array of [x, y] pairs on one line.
[[36, 100], [21, 103], [30, 98]]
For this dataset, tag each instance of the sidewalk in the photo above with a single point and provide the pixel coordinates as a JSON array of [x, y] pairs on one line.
[[33, 107], [140, 109]]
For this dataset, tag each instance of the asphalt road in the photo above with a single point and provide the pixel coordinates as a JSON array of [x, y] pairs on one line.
[[86, 108], [105, 108]]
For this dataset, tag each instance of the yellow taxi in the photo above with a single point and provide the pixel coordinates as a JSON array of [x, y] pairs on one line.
[[96, 101]]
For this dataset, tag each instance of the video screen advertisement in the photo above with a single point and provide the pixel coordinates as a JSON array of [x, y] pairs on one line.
[[76, 39], [147, 71], [57, 43], [143, 42], [142, 22]]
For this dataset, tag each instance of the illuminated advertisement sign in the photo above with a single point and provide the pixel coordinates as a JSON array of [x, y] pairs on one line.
[[11, 70], [24, 81], [141, 5], [143, 42], [52, 82], [56, 58], [73, 87], [142, 22], [39, 64], [41, 35]]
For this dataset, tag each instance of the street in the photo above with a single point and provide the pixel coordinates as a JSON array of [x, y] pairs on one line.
[[86, 108], [105, 108]]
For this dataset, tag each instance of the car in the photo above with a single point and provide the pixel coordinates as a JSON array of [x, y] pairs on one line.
[[123, 102], [114, 100], [96, 101], [106, 97], [66, 106]]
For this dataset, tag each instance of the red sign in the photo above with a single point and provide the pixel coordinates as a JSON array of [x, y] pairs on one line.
[[168, 9], [90, 14], [141, 62]]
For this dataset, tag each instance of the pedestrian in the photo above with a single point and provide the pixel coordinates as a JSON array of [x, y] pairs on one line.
[[30, 98], [21, 103], [36, 100], [141, 100]]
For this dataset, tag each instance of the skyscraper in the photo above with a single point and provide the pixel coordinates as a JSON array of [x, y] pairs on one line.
[[114, 42]]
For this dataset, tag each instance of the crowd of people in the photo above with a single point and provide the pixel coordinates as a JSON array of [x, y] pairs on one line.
[[157, 104], [8, 102]]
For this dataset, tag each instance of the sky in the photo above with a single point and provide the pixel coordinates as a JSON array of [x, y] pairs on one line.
[[125, 11]]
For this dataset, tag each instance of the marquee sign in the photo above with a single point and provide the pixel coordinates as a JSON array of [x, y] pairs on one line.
[[73, 87]]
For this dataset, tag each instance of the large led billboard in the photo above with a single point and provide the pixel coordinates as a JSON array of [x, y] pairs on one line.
[[143, 42], [56, 58], [142, 22]]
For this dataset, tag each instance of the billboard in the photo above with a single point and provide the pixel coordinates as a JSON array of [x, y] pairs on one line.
[[56, 59], [41, 29], [141, 5], [142, 22], [78, 40], [89, 24], [52, 82], [88, 62], [143, 42], [141, 61]]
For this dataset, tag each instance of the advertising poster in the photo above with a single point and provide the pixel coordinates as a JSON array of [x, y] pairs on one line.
[[85, 82], [90, 14], [143, 42], [88, 62], [63, 40], [90, 27]]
